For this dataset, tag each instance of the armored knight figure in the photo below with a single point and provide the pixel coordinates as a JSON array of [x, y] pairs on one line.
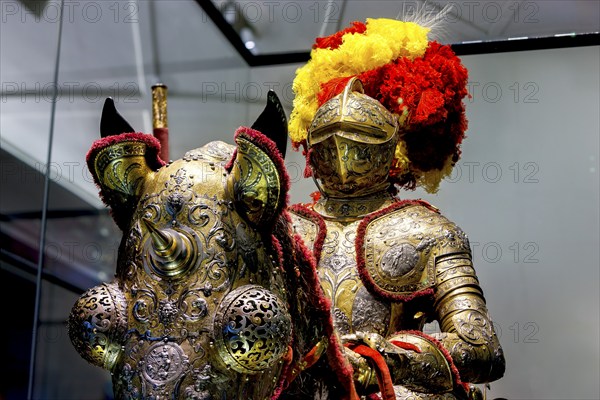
[[389, 266]]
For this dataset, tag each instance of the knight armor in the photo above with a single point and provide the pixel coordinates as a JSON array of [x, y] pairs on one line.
[[390, 266]]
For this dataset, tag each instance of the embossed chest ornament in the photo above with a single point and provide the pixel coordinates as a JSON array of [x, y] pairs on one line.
[[207, 301], [394, 257]]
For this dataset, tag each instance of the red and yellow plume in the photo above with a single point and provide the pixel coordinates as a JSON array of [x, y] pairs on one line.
[[422, 81]]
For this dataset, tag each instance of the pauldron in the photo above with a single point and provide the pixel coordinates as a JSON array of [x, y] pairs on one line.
[[396, 256]]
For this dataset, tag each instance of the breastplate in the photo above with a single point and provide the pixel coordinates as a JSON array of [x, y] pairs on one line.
[[354, 308], [396, 264]]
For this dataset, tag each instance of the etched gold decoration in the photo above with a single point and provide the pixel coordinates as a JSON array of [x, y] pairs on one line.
[[188, 253], [170, 253], [254, 183], [97, 322], [122, 167], [255, 329], [355, 116], [390, 266]]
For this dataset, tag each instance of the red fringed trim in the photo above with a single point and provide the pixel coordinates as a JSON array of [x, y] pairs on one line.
[[270, 148], [384, 379], [307, 168], [342, 367], [278, 251], [447, 356], [315, 196], [323, 304], [154, 161], [365, 277], [334, 41], [335, 355], [316, 219], [229, 164], [282, 384]]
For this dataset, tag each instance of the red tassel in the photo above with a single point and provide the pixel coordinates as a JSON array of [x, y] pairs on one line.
[[315, 196], [307, 169]]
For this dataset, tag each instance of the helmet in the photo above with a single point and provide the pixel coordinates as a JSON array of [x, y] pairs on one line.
[[351, 143]]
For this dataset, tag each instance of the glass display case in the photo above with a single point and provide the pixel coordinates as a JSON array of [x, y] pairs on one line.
[[526, 189]]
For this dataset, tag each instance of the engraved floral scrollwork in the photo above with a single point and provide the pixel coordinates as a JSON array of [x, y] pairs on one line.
[[199, 214], [252, 329], [453, 237], [254, 183], [214, 152], [472, 326], [336, 263], [370, 314], [144, 306], [341, 321], [193, 305], [177, 192], [183, 247], [97, 324], [153, 212], [342, 166], [122, 167], [397, 251]]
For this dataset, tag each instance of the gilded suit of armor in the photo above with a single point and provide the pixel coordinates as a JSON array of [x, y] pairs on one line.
[[202, 306], [390, 266]]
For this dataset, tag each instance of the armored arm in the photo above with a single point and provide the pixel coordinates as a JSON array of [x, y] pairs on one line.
[[467, 331], [466, 350]]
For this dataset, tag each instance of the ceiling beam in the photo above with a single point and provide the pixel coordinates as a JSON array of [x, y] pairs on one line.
[[461, 49]]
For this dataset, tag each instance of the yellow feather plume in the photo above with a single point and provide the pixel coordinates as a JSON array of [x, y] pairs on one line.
[[384, 41]]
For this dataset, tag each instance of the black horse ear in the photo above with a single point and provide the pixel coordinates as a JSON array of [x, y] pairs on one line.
[[112, 123], [272, 122]]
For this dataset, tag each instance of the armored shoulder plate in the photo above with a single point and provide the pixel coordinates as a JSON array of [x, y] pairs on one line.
[[400, 248]]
